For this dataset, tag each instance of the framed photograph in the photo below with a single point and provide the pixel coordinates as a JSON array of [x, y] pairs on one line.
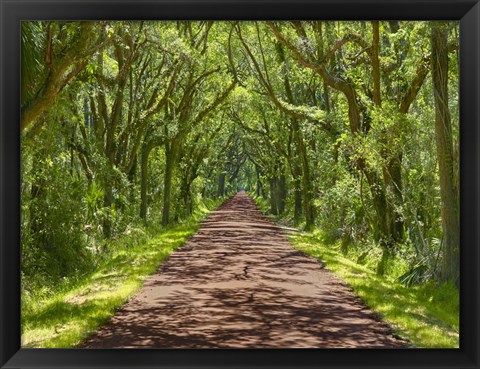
[[239, 184]]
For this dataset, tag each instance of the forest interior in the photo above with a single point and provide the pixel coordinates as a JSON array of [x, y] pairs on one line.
[[331, 141]]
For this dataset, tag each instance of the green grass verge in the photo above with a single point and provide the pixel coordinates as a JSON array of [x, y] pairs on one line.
[[65, 318], [427, 315]]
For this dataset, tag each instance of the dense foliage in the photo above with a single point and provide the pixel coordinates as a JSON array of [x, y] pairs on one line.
[[350, 128]]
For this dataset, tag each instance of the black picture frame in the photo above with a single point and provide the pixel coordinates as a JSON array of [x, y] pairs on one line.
[[12, 12]]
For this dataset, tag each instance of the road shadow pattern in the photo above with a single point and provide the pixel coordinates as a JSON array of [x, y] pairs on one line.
[[238, 283]]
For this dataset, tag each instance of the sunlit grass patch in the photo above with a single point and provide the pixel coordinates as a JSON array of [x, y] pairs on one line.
[[427, 315], [64, 319]]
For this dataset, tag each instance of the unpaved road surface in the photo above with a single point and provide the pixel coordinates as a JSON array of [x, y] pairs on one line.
[[238, 283]]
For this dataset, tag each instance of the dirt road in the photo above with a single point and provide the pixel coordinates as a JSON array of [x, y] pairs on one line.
[[238, 283]]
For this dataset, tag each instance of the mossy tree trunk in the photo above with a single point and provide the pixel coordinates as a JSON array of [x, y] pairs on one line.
[[443, 133]]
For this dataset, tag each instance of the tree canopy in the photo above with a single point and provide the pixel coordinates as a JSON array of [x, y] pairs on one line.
[[345, 128]]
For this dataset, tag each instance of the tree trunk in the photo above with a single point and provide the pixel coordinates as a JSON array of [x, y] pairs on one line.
[[314, 174], [376, 64], [296, 168], [221, 185], [186, 193], [382, 231], [258, 189], [393, 183], [308, 200], [259, 182], [186, 196], [392, 171], [170, 157], [146, 150], [273, 196], [306, 180], [443, 135], [107, 203], [282, 194], [297, 189], [326, 95], [132, 174], [108, 183]]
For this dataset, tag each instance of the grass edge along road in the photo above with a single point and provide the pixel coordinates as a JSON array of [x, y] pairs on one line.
[[426, 315], [65, 318]]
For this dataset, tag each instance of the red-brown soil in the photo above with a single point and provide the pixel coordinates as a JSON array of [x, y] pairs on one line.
[[238, 283]]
